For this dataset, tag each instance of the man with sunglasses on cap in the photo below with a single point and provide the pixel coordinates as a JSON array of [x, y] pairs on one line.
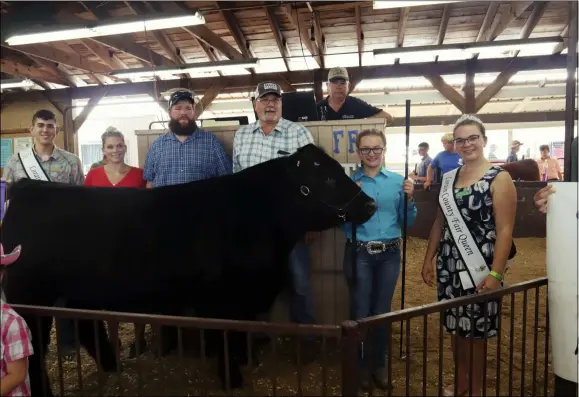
[[338, 105], [186, 153], [272, 136]]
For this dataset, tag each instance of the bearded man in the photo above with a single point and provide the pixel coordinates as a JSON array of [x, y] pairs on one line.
[[186, 153]]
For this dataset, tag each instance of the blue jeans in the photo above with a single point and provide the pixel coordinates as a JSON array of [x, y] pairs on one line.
[[301, 297], [66, 330], [371, 295]]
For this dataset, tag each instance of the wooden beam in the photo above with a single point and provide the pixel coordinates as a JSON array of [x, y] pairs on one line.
[[243, 82], [484, 30], [296, 21], [447, 91], [469, 98], [359, 35], [492, 89], [402, 21], [58, 56], [532, 21], [208, 97], [443, 24], [570, 88], [126, 45], [561, 46], [19, 69], [202, 32], [279, 39], [320, 38], [209, 52], [488, 118], [515, 10], [92, 102], [235, 30], [57, 70]]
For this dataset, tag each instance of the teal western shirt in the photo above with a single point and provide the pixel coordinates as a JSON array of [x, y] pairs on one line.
[[387, 221]]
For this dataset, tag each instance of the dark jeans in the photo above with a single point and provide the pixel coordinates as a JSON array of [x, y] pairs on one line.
[[371, 295], [66, 331], [301, 297]]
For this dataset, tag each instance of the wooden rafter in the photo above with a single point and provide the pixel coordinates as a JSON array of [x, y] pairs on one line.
[[447, 91], [277, 35], [484, 30], [297, 77], [202, 32], [209, 52], [532, 20], [56, 70], [561, 46], [492, 89], [235, 30], [93, 101], [19, 69], [402, 21], [209, 96], [500, 23], [443, 24], [127, 45], [359, 34], [297, 22], [320, 38]]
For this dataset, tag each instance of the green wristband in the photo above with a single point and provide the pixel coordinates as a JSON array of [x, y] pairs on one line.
[[496, 275]]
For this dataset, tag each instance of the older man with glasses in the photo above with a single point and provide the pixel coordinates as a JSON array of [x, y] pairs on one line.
[[272, 136]]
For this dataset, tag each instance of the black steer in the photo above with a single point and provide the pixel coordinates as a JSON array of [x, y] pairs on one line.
[[220, 245]]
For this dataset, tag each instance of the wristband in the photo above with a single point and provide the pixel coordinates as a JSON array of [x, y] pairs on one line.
[[496, 275]]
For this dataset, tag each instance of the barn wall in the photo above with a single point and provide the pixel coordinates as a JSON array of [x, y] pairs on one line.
[[327, 251]]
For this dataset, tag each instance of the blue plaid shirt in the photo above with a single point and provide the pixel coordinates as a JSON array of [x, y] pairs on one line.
[[171, 162]]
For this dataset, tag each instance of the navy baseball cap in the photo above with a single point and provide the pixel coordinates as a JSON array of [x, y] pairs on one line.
[[181, 95]]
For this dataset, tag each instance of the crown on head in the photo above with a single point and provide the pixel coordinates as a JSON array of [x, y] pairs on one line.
[[470, 117]]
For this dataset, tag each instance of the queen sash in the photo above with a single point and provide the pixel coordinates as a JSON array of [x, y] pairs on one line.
[[476, 267]]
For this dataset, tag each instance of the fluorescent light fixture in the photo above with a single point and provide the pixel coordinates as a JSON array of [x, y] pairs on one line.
[[379, 5], [202, 67], [16, 83], [463, 50], [107, 29]]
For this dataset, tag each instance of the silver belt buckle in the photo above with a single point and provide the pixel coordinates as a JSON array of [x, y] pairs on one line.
[[372, 247]]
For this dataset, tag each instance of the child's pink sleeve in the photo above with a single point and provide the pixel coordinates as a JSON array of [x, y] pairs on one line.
[[16, 339]]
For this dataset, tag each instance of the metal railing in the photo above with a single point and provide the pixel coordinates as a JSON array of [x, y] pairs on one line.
[[334, 369]]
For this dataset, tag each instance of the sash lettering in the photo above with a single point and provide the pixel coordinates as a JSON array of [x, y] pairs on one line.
[[476, 267], [31, 166]]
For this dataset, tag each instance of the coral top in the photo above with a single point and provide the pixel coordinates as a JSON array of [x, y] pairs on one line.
[[98, 177]]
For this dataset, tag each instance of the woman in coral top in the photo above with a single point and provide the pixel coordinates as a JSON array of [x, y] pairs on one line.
[[115, 173]]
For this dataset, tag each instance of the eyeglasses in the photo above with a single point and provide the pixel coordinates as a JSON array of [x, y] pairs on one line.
[[471, 140], [366, 150], [265, 101]]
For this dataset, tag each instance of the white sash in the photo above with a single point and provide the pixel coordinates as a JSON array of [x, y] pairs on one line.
[[31, 165], [476, 266]]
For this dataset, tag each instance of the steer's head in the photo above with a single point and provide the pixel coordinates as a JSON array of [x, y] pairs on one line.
[[323, 191]]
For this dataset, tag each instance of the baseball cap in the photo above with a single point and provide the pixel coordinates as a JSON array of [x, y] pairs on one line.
[[516, 143], [338, 73], [181, 95], [267, 87]]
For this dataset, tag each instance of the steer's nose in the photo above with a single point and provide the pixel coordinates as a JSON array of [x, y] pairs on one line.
[[371, 207]]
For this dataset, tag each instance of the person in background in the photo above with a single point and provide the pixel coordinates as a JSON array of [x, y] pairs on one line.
[[115, 172], [338, 105], [549, 166], [479, 199], [542, 196], [420, 173], [186, 153], [378, 250], [515, 147], [15, 342], [444, 161], [266, 139], [99, 163], [56, 165]]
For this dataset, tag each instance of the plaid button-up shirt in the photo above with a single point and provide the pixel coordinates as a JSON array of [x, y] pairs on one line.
[[15, 345], [172, 162], [61, 166], [251, 146]]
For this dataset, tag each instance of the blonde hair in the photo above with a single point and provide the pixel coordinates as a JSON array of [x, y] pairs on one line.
[[448, 137], [110, 132]]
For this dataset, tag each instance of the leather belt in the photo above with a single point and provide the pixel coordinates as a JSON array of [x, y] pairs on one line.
[[377, 247]]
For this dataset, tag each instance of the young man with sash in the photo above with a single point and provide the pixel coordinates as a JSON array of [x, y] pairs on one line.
[[472, 238], [47, 162]]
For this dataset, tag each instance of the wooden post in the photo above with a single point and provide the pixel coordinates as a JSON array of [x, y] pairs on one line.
[[470, 100], [570, 89]]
